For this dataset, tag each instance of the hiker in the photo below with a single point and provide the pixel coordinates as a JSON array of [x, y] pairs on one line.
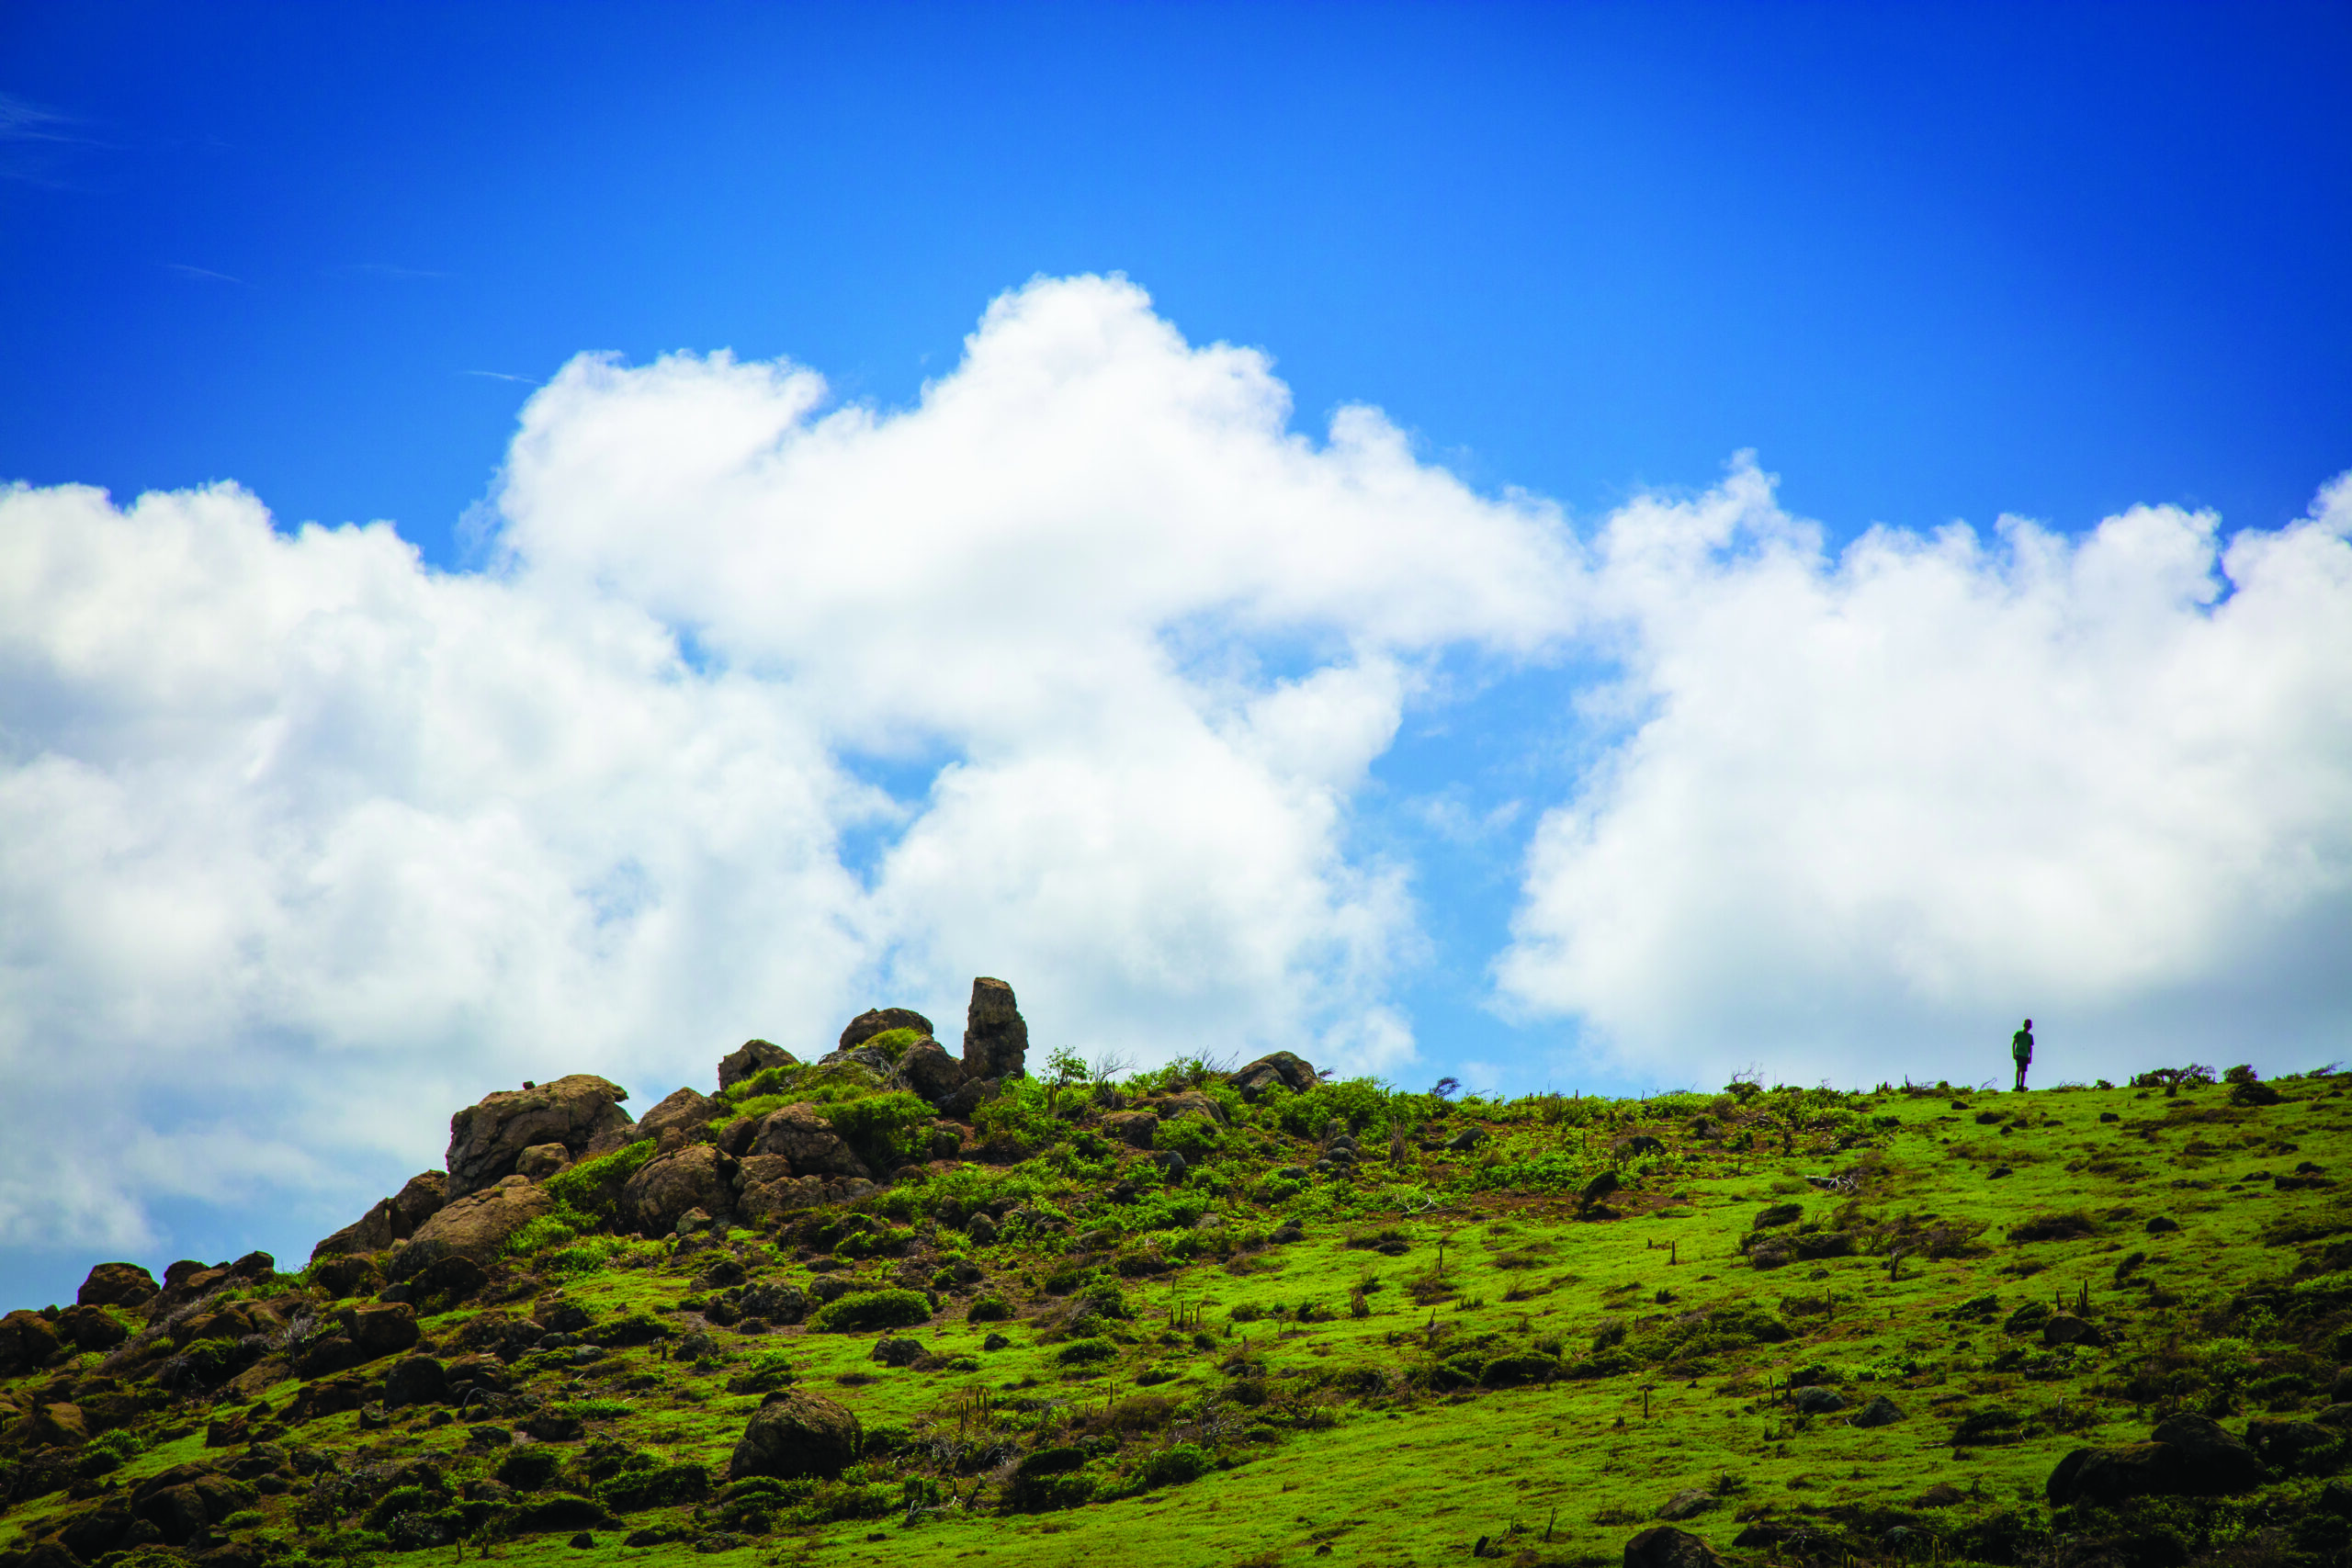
[[2021, 1050]]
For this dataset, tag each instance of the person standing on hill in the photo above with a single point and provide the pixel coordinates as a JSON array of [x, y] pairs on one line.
[[2021, 1050]]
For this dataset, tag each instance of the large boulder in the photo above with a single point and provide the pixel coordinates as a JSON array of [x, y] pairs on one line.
[[927, 1068], [379, 1329], [27, 1342], [487, 1139], [1137, 1128], [803, 1136], [695, 1177], [795, 1434], [684, 1115], [90, 1328], [58, 1426], [760, 1201], [2185, 1456], [880, 1020], [116, 1284], [751, 1058], [996, 1040], [475, 1227], [1666, 1547], [418, 1200], [1293, 1072]]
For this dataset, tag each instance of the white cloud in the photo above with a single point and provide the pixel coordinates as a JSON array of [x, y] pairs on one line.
[[1872, 809], [302, 839]]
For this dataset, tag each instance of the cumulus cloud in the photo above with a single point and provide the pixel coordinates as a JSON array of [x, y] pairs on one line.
[[767, 709], [1868, 809]]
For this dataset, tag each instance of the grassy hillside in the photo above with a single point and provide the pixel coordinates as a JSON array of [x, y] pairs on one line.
[[1359, 1324]]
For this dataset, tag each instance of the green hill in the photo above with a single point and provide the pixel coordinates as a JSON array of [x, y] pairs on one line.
[[893, 1307]]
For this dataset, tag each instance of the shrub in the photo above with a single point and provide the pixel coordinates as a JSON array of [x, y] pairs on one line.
[[1085, 1352], [654, 1485], [873, 1309], [885, 1129], [593, 1186], [1175, 1465], [989, 1309], [529, 1470], [893, 1043], [1192, 1136]]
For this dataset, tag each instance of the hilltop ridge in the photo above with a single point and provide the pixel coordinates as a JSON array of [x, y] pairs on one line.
[[909, 1305]]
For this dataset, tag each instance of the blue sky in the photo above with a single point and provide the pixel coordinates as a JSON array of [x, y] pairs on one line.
[[1930, 264]]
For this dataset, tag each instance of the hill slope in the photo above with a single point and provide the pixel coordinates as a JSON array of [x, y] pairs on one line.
[[1201, 1317]]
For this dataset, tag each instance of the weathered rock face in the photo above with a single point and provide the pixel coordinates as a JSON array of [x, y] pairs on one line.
[[418, 1200], [89, 1329], [474, 1227], [927, 1068], [2187, 1456], [996, 1040], [797, 1434], [416, 1379], [1879, 1412], [801, 1135], [1191, 1102], [761, 1201], [116, 1284], [1293, 1072], [969, 1097], [695, 1177], [681, 1116], [752, 1057], [880, 1020], [541, 1161], [50, 1426], [487, 1139]]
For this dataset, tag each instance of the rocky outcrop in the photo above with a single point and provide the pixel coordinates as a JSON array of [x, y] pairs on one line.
[[1135, 1128], [58, 1426], [880, 1020], [800, 1134], [2185, 1456], [487, 1139], [1276, 1067], [473, 1227], [542, 1160], [752, 1057], [116, 1284], [797, 1434], [996, 1040], [927, 1068], [1191, 1103], [394, 1219], [695, 1177]]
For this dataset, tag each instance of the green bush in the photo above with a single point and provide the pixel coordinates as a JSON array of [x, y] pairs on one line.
[[989, 1309], [654, 1485], [593, 1187], [1192, 1136], [885, 1129], [893, 1043], [1085, 1352], [873, 1309], [1175, 1465]]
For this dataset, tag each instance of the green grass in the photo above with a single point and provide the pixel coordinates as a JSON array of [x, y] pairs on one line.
[[1457, 1346]]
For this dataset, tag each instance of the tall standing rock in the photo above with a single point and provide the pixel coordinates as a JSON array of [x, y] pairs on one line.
[[487, 1139], [996, 1040]]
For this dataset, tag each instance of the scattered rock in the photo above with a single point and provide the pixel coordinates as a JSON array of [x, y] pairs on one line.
[[1136, 1128], [2066, 1328], [2160, 1225], [474, 1226], [116, 1284], [897, 1352], [2187, 1456], [416, 1379], [1467, 1139], [795, 1434], [1817, 1401], [1880, 1412], [1636, 1145], [55, 1425], [1941, 1495], [749, 1059], [801, 1135], [1293, 1072], [996, 1040], [2292, 1446], [1778, 1214], [1191, 1103], [1599, 1187], [1666, 1547], [980, 1228], [1687, 1505], [487, 1139], [881, 1020], [379, 1329]]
